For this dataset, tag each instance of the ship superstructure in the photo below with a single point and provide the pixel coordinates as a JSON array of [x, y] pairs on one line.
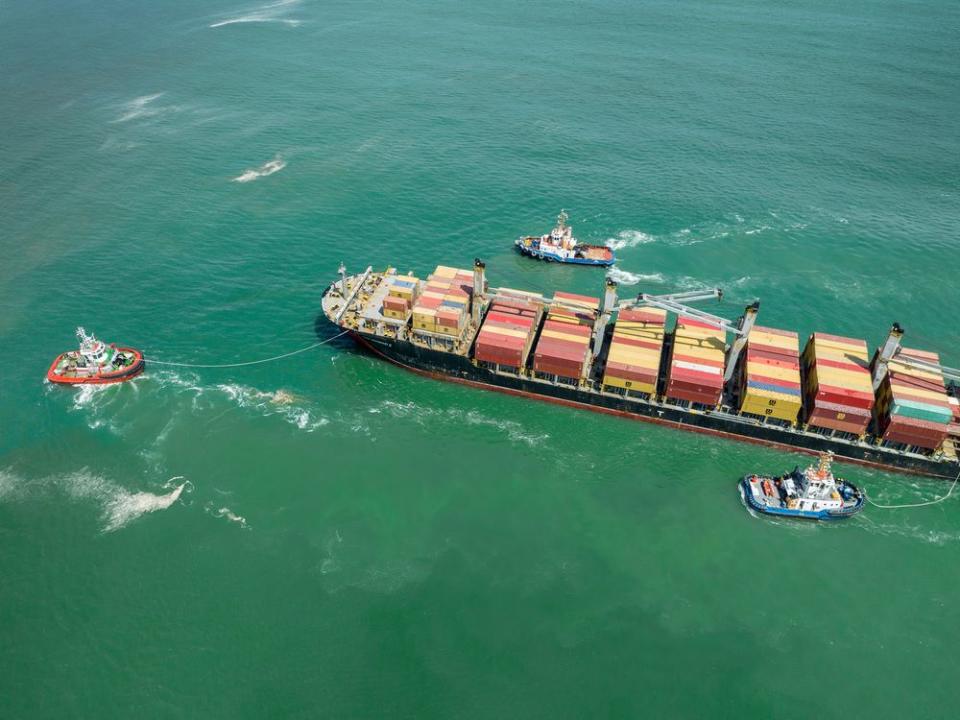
[[659, 359]]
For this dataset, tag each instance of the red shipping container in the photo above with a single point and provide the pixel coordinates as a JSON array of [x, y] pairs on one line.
[[644, 316], [649, 344], [398, 304], [911, 426], [898, 380], [429, 302], [591, 301], [516, 321], [842, 396], [494, 339], [774, 331], [568, 328], [693, 388], [682, 393], [631, 372], [838, 417], [694, 377], [501, 356], [768, 358], [684, 321], [557, 366], [543, 363], [561, 348], [924, 442]]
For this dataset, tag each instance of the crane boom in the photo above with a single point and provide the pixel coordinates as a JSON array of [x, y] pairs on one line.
[[947, 372], [677, 303]]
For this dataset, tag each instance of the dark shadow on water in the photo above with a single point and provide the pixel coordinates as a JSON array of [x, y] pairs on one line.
[[325, 330]]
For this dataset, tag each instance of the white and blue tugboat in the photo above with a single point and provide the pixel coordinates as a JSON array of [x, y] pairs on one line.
[[560, 246], [814, 493]]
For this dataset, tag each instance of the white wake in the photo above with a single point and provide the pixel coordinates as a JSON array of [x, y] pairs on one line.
[[268, 168]]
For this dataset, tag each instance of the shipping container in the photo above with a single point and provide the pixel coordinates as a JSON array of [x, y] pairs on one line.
[[506, 333], [563, 348], [696, 363], [769, 376], [913, 407], [837, 381]]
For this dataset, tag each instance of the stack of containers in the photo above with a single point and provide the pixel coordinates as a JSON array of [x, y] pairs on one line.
[[633, 362], [401, 294], [696, 364], [395, 308], [445, 302], [771, 375], [506, 334], [839, 389], [564, 345], [912, 404]]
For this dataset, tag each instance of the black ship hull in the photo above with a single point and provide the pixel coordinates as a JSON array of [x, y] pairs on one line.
[[456, 368]]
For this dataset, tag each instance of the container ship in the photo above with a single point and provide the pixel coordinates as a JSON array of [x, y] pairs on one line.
[[658, 359]]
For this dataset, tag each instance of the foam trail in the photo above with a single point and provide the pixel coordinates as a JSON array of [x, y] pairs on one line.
[[624, 277], [280, 403], [268, 168], [142, 107], [227, 513], [126, 506], [630, 238], [270, 13]]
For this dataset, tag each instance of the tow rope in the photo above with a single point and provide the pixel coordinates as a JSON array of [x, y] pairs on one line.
[[251, 362], [914, 505]]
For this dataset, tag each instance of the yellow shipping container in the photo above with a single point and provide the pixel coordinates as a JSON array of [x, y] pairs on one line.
[[639, 332], [822, 345], [771, 407], [897, 367], [565, 336], [502, 330], [772, 371], [648, 362], [782, 348], [854, 380], [445, 272], [850, 381], [698, 351], [634, 385], [936, 398]]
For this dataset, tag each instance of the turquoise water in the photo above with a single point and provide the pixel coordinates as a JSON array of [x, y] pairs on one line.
[[367, 543]]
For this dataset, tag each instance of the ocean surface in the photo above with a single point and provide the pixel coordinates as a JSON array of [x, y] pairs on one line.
[[327, 536]]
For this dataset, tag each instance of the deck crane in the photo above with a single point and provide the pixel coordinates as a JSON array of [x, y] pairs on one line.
[[892, 351], [674, 302], [678, 303]]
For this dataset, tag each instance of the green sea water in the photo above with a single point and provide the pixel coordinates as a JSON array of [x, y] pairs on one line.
[[185, 177]]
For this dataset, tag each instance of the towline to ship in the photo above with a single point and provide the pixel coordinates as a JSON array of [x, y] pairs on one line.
[[441, 328]]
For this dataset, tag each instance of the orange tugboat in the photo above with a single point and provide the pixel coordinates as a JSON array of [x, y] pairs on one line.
[[95, 363]]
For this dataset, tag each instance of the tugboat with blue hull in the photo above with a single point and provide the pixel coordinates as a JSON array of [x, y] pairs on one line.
[[560, 246], [811, 494]]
